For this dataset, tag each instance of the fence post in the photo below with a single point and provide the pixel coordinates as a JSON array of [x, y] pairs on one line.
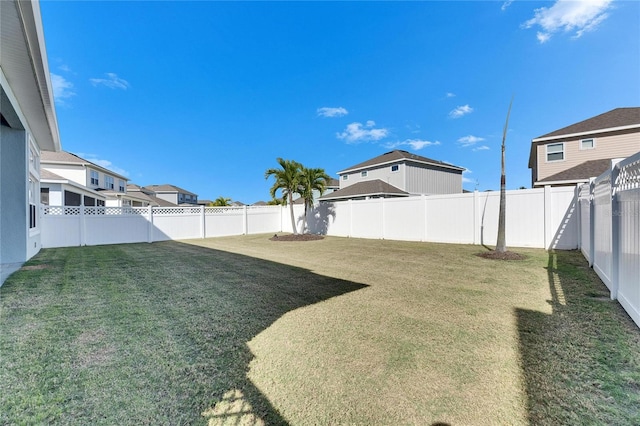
[[476, 218], [150, 224], [615, 233], [83, 227], [592, 222], [203, 231], [244, 220], [547, 218], [384, 219]]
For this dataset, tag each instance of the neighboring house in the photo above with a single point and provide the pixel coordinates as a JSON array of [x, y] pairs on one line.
[[28, 125], [173, 194], [112, 186], [57, 190], [583, 150], [146, 197], [397, 174]]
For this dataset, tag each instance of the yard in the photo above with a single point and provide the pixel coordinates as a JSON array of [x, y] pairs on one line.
[[243, 330]]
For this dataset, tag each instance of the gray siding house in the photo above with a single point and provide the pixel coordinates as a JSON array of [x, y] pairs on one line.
[[583, 150], [173, 194], [397, 174], [28, 125]]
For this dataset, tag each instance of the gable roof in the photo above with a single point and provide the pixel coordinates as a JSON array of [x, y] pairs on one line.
[[167, 188], [367, 188], [616, 119], [64, 157], [397, 156], [581, 172]]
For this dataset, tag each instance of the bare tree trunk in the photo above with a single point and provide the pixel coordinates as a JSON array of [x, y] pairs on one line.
[[293, 221], [501, 243]]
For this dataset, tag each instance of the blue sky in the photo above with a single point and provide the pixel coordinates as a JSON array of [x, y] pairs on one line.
[[206, 95]]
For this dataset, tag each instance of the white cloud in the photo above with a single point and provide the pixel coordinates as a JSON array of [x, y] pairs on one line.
[[112, 81], [450, 95], [460, 111], [569, 15], [356, 132], [469, 140], [103, 163], [416, 144], [481, 148], [332, 112], [506, 4], [62, 89]]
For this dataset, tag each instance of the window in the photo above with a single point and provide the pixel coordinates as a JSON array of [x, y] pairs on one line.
[[108, 182], [121, 185], [44, 196], [33, 211], [587, 144], [555, 152], [345, 177], [94, 178], [395, 168], [364, 174]]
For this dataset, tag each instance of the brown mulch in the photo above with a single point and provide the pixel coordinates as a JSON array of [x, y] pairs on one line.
[[507, 255], [299, 237]]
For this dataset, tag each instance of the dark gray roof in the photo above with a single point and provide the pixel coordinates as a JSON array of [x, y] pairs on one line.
[[333, 183], [368, 188], [582, 171], [398, 156], [619, 117], [167, 188], [160, 202]]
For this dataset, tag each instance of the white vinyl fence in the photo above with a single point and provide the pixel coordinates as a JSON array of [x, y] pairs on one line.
[[542, 218], [610, 231]]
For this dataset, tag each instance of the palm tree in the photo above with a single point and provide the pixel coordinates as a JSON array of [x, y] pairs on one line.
[[221, 202], [501, 243], [288, 181], [312, 179]]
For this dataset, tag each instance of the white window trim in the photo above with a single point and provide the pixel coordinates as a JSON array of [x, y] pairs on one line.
[[546, 149], [588, 139], [364, 173], [395, 165], [345, 177]]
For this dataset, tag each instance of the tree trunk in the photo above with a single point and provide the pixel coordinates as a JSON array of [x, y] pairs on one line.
[[293, 220], [501, 243]]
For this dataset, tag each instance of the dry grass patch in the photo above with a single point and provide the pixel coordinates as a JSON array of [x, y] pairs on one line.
[[337, 331]]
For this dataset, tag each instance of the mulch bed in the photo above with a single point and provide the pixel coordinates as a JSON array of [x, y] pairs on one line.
[[496, 255], [299, 237]]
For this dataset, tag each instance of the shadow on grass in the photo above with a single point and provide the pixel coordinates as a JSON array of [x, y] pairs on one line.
[[581, 363], [145, 334]]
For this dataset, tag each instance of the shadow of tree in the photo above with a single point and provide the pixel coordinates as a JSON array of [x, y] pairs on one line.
[[581, 363], [175, 320]]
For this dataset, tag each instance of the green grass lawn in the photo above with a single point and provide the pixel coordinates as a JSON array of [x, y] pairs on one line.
[[243, 330]]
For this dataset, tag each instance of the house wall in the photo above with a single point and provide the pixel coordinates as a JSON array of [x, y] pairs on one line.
[[610, 145], [171, 197], [75, 174], [423, 179], [383, 173]]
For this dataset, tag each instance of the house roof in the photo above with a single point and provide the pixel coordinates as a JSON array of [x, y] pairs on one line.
[[579, 173], [46, 174], [64, 157], [25, 66], [397, 156], [167, 188], [616, 119], [333, 183], [366, 188]]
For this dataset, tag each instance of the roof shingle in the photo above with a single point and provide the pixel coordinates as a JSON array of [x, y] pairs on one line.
[[367, 188], [619, 117], [398, 155]]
